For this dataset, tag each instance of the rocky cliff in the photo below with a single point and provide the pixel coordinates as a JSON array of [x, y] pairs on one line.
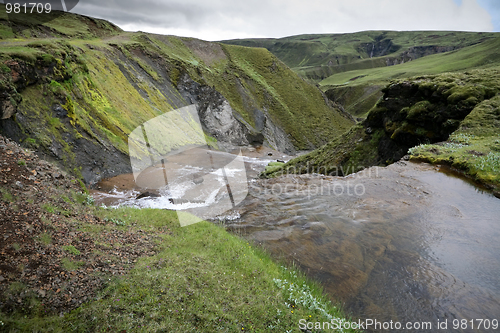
[[456, 111], [74, 88]]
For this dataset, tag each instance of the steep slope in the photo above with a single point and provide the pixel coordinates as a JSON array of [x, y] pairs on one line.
[[74, 88], [452, 118]]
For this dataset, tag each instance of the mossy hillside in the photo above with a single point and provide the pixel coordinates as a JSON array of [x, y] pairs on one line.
[[201, 278], [250, 79], [62, 25], [358, 100], [145, 70], [293, 104], [475, 56], [420, 110], [361, 82], [70, 97], [81, 87], [474, 148]]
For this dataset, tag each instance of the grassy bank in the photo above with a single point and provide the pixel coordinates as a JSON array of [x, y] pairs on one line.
[[200, 278], [69, 266]]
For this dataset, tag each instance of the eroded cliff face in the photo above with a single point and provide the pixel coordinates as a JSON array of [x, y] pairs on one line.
[[76, 101]]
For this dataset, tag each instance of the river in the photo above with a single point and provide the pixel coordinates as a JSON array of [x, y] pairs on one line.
[[411, 242]]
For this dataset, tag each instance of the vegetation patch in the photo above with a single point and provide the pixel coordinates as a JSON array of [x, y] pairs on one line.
[[474, 148]]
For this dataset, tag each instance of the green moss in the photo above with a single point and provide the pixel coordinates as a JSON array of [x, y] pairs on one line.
[[45, 238], [71, 265], [4, 69], [273, 167], [473, 148], [418, 109], [71, 249]]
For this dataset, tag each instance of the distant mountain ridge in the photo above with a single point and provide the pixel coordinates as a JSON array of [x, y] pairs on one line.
[[316, 57]]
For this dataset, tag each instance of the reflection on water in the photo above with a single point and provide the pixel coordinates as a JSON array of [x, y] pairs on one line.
[[404, 243]]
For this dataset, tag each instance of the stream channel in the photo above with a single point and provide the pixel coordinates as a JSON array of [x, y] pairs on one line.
[[409, 242]]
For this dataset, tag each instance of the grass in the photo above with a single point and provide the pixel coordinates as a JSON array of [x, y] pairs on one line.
[[71, 265], [6, 195], [71, 249], [201, 279], [45, 239]]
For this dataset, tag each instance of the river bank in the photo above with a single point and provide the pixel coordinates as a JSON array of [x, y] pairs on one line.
[[70, 266]]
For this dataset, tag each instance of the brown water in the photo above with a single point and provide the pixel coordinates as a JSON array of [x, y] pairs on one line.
[[407, 243]]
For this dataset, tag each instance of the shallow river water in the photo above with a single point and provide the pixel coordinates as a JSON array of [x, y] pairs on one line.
[[407, 243]]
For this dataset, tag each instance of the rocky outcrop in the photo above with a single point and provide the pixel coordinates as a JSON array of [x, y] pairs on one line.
[[217, 117], [416, 52], [380, 47]]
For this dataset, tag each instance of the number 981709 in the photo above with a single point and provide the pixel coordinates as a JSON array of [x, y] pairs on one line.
[[28, 8]]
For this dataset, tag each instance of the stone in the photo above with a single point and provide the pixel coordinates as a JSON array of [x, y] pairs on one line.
[[147, 194]]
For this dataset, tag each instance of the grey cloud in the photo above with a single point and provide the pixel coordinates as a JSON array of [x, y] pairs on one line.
[[278, 18]]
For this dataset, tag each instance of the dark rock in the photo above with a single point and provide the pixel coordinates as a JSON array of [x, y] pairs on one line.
[[280, 161], [57, 175], [60, 112], [148, 195]]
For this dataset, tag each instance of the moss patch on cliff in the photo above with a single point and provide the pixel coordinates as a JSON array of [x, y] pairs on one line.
[[474, 148]]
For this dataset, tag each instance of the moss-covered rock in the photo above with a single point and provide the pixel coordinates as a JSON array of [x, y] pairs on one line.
[[413, 112]]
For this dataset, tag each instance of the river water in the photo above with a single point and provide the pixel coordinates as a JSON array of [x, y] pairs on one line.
[[408, 242]]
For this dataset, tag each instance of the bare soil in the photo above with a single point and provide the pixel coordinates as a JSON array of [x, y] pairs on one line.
[[50, 260]]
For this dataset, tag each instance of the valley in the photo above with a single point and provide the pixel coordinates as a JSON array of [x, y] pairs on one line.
[[367, 187]]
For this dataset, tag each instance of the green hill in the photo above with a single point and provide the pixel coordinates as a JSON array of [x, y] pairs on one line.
[[318, 56], [75, 87], [476, 56], [359, 90]]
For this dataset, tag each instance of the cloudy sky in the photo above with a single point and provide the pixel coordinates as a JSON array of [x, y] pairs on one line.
[[227, 19]]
